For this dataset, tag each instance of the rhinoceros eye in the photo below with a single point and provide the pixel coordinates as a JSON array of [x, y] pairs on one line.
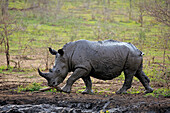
[[58, 70]]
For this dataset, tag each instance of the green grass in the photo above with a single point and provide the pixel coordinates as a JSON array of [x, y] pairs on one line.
[[41, 28], [19, 4], [160, 92], [135, 90], [33, 87], [30, 87], [12, 70]]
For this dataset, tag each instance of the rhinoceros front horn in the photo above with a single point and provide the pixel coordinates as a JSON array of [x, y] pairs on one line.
[[45, 75]]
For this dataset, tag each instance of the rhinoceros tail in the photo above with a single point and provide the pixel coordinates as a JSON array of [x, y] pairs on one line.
[[141, 53]]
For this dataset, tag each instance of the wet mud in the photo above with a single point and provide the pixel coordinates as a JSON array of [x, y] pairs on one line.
[[79, 103]]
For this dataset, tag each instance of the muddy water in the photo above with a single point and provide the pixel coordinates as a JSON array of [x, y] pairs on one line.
[[74, 107], [38, 108]]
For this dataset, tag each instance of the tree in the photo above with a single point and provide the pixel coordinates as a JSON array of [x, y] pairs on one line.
[[159, 9], [130, 9], [141, 10], [6, 29], [4, 7]]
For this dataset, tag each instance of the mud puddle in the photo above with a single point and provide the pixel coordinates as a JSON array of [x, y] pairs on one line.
[[85, 107]]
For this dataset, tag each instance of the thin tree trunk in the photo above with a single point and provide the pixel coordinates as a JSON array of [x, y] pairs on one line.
[[141, 18], [130, 10], [4, 7], [47, 57], [7, 47]]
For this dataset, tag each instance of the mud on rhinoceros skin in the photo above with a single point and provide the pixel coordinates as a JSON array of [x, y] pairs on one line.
[[103, 60]]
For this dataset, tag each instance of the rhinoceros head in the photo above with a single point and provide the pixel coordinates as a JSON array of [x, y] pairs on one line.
[[60, 69]]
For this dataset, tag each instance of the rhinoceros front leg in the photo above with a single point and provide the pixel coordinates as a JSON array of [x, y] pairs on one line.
[[88, 84], [127, 83], [78, 73]]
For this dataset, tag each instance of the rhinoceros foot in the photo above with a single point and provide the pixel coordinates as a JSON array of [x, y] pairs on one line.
[[149, 90], [66, 89], [87, 92], [121, 91]]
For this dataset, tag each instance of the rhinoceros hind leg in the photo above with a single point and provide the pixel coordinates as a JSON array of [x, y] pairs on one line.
[[88, 84], [144, 80], [127, 83]]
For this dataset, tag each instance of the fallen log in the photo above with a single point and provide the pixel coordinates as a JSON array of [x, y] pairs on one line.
[[48, 88]]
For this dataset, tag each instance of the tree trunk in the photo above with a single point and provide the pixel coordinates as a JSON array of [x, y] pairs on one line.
[[141, 19], [108, 2], [4, 7], [130, 10], [47, 57], [8, 57], [141, 16], [7, 47]]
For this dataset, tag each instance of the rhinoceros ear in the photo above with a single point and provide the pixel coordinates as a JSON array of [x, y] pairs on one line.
[[52, 51], [61, 52]]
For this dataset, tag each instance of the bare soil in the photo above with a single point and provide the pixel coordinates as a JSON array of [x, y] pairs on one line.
[[103, 98]]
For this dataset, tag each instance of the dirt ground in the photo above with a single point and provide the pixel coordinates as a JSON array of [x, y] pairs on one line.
[[104, 99]]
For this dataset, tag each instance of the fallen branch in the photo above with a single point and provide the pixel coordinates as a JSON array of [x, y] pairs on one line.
[[25, 9], [48, 88], [159, 64]]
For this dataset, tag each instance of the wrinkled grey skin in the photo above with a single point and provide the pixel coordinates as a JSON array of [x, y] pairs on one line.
[[103, 60]]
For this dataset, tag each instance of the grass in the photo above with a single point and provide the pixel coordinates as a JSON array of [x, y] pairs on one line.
[[160, 92], [156, 93], [12, 70], [30, 87], [74, 21], [133, 90], [33, 87]]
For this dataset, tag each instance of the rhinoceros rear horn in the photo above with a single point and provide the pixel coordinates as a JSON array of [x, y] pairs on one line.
[[43, 74]]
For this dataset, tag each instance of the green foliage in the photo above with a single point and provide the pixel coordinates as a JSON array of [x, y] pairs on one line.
[[80, 91], [2, 68], [12, 70], [52, 90], [160, 92], [95, 90], [101, 111], [133, 90], [34, 87], [30, 87], [101, 92], [19, 4]]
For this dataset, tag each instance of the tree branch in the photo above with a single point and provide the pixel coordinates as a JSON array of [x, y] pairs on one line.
[[159, 12]]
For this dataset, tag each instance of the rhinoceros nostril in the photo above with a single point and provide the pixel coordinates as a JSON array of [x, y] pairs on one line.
[[50, 70], [53, 83]]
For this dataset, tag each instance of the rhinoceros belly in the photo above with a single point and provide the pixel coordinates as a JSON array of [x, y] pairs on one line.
[[106, 72], [105, 76]]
